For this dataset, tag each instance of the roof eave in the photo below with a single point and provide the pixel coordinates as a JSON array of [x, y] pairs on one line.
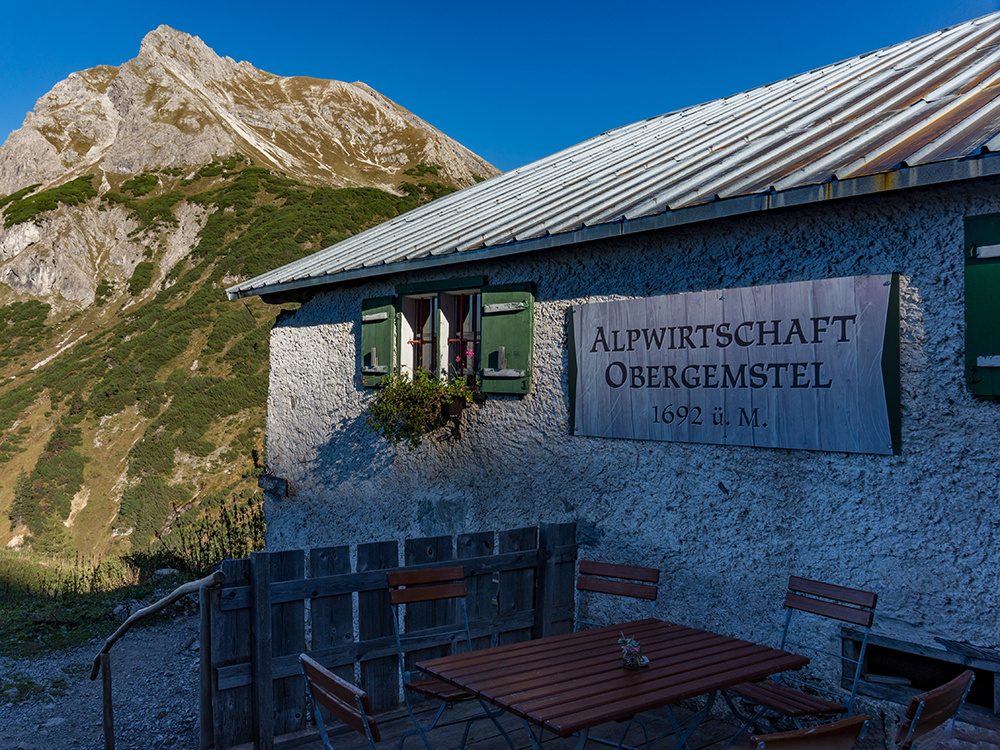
[[953, 170]]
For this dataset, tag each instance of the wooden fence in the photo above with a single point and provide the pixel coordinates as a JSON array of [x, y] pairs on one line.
[[520, 582]]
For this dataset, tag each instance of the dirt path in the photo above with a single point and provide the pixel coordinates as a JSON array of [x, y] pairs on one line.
[[155, 688]]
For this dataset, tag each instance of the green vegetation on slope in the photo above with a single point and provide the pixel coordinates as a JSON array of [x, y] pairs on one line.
[[141, 185], [25, 208], [51, 605], [22, 329], [188, 365]]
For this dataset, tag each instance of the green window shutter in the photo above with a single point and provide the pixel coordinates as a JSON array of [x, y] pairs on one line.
[[982, 303], [508, 327], [378, 330]]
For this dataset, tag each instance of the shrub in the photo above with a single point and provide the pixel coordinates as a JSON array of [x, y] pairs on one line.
[[142, 277], [146, 505], [407, 409], [19, 194], [141, 185], [103, 292], [22, 329], [71, 194]]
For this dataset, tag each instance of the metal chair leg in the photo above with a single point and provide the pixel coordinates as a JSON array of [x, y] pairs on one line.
[[418, 728]]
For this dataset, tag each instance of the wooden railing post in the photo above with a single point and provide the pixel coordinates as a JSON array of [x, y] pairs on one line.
[[206, 597], [108, 719], [262, 688], [102, 662]]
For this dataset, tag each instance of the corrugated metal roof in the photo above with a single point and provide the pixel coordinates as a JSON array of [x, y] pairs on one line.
[[932, 99]]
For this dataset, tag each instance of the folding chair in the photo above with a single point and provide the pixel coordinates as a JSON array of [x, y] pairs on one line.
[[778, 698], [627, 581], [630, 581], [340, 698], [838, 735], [409, 587], [927, 711]]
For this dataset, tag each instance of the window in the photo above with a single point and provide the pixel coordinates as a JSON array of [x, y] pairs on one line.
[[460, 316], [419, 322], [458, 328]]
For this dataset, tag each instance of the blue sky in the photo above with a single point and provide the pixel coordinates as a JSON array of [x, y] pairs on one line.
[[514, 82]]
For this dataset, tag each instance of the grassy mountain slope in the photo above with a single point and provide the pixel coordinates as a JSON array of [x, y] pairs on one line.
[[144, 412]]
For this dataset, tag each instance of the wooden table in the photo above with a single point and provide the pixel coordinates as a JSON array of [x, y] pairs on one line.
[[570, 683]]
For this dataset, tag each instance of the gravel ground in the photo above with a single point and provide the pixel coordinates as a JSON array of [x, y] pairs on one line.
[[155, 688]]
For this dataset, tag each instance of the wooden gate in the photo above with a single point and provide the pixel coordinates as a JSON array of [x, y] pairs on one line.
[[276, 605]]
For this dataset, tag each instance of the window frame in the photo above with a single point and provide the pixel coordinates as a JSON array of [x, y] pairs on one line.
[[501, 333]]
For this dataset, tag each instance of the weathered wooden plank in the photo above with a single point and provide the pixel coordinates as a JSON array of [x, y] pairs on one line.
[[421, 616], [332, 616], [909, 647], [555, 581], [516, 588], [375, 648], [236, 622], [232, 708], [795, 365], [237, 597], [260, 651], [563, 571], [288, 637], [379, 676], [481, 599]]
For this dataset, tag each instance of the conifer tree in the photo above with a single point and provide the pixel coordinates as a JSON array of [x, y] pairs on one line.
[[24, 510]]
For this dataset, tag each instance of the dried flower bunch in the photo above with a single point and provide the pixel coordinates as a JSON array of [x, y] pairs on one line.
[[629, 645]]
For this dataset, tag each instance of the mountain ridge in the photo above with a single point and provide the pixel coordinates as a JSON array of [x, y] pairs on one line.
[[178, 104], [132, 393]]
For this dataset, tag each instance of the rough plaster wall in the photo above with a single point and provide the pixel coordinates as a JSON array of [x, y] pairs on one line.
[[726, 525]]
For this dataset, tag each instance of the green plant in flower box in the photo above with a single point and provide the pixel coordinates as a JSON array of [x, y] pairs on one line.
[[406, 409]]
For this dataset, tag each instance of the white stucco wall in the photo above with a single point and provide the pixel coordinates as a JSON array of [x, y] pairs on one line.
[[726, 525]]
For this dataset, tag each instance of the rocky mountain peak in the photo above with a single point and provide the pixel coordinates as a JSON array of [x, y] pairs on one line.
[[183, 52], [179, 104]]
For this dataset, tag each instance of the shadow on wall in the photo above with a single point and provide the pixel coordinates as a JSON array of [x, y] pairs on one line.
[[363, 460]]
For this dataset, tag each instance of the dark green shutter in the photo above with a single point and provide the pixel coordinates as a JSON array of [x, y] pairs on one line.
[[982, 304], [378, 329], [508, 326]]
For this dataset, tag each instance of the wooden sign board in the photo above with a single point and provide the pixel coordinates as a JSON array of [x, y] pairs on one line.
[[811, 365]]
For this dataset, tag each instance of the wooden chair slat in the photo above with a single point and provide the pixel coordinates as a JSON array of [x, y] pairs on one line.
[[439, 690], [338, 697], [787, 700], [427, 575], [427, 593], [841, 612], [838, 735], [613, 570], [833, 591], [618, 588], [342, 711], [941, 697], [940, 705], [825, 600], [331, 683]]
